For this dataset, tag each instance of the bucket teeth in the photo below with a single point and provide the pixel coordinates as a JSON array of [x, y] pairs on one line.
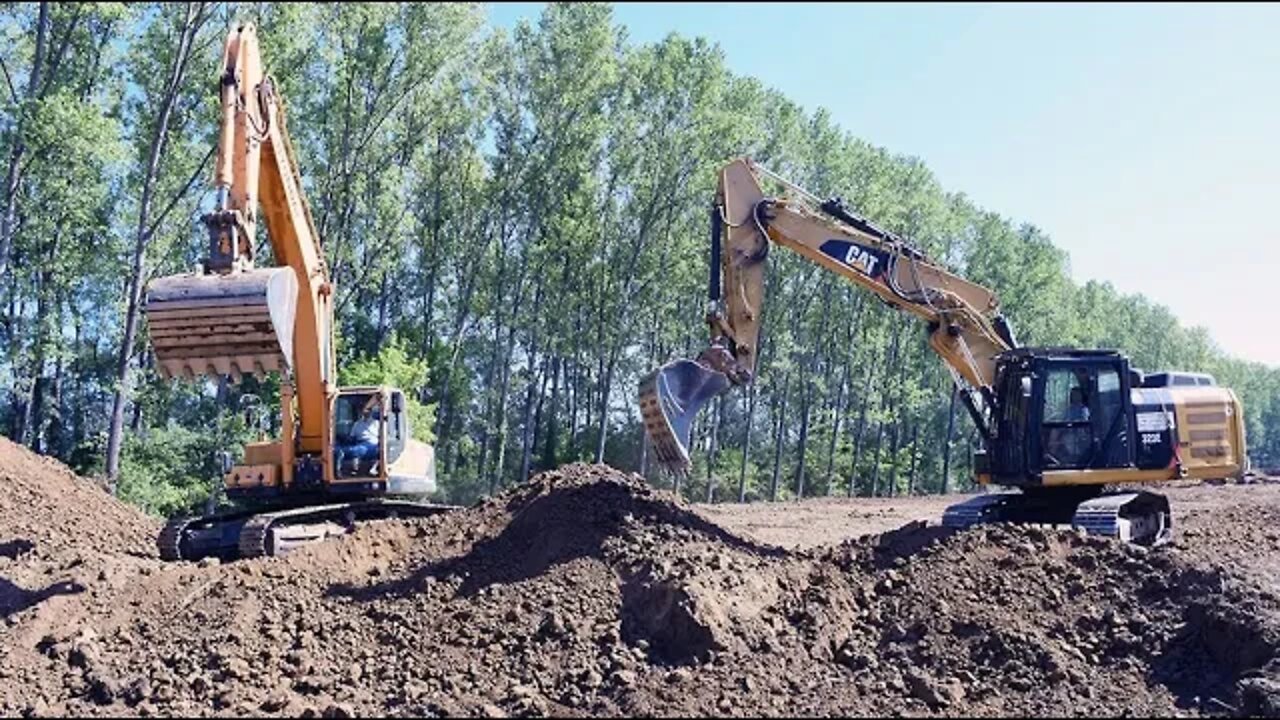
[[232, 325]]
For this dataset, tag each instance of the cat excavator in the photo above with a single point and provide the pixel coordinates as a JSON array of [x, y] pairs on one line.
[[1071, 435], [233, 319]]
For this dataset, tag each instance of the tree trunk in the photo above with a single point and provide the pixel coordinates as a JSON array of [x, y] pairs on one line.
[[894, 437], [494, 361], [777, 441], [57, 441], [553, 431], [382, 313], [436, 200], [29, 421], [946, 450], [899, 414], [576, 386], [500, 460], [526, 432], [13, 178], [804, 433], [875, 460], [862, 426], [711, 456], [78, 396], [644, 435], [135, 421], [537, 412], [911, 479], [836, 417], [604, 405], [746, 443], [504, 360], [159, 137]]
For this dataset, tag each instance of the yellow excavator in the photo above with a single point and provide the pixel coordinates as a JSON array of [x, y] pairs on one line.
[[1074, 432], [344, 454]]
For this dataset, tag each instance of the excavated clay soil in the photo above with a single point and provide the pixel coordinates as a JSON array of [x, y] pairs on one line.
[[587, 592]]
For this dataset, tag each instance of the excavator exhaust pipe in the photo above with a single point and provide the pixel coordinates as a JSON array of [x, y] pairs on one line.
[[238, 323], [670, 398]]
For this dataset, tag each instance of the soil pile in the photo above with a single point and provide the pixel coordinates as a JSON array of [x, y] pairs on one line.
[[58, 530], [46, 505], [587, 592]]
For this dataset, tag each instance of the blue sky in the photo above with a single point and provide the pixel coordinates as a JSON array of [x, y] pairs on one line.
[[1144, 138]]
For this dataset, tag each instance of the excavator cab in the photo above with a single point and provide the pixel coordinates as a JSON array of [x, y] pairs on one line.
[[370, 431], [1061, 411], [373, 447]]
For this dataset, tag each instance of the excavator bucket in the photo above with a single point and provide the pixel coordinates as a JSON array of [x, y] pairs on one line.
[[234, 324], [670, 398]]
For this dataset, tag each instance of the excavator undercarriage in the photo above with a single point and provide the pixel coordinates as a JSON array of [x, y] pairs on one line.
[[260, 532], [1142, 518]]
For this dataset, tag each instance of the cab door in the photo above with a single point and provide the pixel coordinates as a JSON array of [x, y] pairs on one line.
[[1011, 455], [396, 426], [1084, 418]]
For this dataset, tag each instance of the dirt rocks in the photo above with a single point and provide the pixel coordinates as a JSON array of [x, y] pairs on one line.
[[587, 592]]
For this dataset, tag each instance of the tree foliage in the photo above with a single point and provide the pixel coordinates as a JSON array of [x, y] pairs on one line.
[[516, 227], [395, 366]]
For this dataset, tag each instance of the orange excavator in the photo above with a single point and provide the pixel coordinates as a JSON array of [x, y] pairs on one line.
[[344, 454], [1059, 426]]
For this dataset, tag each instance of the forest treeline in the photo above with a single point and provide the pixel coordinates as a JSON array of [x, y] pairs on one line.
[[517, 224]]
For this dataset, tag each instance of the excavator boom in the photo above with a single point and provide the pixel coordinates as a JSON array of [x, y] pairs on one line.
[[233, 318], [966, 328]]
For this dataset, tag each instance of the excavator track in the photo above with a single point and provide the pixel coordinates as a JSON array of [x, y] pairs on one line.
[[276, 533], [169, 543], [196, 537], [1141, 518], [248, 534]]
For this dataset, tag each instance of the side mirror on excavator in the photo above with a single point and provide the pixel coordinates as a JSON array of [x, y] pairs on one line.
[[248, 402], [397, 403], [225, 462]]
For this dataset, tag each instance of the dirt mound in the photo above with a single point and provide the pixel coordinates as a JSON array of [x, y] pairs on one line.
[[1023, 620], [58, 529], [587, 592], [45, 508]]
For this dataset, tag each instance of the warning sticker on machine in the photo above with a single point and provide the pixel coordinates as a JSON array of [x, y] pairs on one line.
[[1153, 422]]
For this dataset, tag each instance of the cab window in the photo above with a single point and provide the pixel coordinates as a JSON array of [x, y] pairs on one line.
[[397, 427], [1065, 396], [1066, 432]]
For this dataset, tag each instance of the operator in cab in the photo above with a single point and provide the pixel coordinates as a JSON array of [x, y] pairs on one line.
[[1069, 446], [1078, 410], [362, 443]]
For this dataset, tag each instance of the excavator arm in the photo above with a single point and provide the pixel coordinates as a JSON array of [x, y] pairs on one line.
[[232, 318], [965, 326]]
